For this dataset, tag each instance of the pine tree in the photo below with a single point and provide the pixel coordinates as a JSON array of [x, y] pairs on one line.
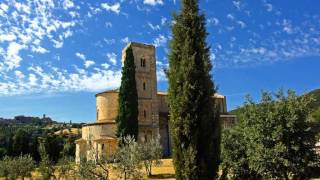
[[194, 119], [127, 119]]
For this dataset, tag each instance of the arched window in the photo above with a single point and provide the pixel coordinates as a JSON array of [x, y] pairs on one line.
[[143, 62], [144, 86], [144, 113]]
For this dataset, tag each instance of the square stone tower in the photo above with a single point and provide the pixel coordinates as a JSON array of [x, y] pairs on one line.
[[146, 79]]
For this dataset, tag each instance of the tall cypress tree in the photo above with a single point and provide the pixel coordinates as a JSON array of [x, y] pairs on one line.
[[127, 119], [194, 119]]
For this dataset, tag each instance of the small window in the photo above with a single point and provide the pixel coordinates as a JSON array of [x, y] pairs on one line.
[[102, 146], [144, 86], [141, 62], [144, 63], [97, 113], [144, 113]]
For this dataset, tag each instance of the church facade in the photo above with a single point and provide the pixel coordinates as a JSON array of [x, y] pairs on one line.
[[99, 138]]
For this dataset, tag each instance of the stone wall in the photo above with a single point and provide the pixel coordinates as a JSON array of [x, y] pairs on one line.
[[98, 130], [107, 106]]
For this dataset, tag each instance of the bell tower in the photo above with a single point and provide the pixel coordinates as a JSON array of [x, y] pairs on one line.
[[146, 79]]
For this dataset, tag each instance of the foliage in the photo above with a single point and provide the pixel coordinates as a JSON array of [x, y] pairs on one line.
[[20, 166], [193, 116], [65, 167], [151, 154], [233, 152], [127, 119], [278, 139], [17, 139], [316, 115], [128, 158], [91, 169]]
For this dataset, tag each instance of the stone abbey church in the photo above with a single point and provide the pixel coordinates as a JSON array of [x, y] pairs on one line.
[[99, 138]]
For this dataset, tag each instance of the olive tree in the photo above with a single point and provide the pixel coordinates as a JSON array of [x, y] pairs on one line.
[[151, 154], [128, 159]]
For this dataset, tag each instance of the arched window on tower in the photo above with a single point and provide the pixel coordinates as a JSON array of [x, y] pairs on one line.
[[144, 113], [144, 86]]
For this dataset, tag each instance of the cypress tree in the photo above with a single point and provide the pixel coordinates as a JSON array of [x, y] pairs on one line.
[[127, 119], [194, 119]]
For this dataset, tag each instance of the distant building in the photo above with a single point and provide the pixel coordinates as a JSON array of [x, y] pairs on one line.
[[99, 139]]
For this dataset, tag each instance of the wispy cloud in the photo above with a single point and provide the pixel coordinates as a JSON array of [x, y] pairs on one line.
[[161, 40], [112, 57]]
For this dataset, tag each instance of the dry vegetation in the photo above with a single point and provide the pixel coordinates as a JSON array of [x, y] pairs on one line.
[[164, 171]]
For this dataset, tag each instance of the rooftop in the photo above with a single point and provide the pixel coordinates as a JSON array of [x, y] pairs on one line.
[[160, 93]]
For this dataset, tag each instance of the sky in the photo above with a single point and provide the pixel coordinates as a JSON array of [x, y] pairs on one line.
[[55, 55]]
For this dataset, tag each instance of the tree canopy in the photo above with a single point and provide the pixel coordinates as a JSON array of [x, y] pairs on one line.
[[193, 117]]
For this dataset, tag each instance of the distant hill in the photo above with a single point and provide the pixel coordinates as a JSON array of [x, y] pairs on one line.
[[28, 120]]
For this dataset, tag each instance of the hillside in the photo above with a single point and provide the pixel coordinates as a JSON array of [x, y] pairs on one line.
[[316, 105]]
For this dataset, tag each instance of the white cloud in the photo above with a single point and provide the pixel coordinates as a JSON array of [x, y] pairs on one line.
[[153, 2], [81, 56], [88, 63], [112, 57], [287, 27], [57, 44], [12, 57], [7, 37], [39, 50], [161, 40], [114, 8], [67, 4], [4, 7], [161, 76], [105, 65], [32, 80], [163, 21], [19, 74], [236, 4]]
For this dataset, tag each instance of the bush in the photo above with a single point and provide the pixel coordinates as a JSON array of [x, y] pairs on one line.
[[15, 167]]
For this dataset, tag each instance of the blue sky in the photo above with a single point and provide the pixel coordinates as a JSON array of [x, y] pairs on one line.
[[56, 54]]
